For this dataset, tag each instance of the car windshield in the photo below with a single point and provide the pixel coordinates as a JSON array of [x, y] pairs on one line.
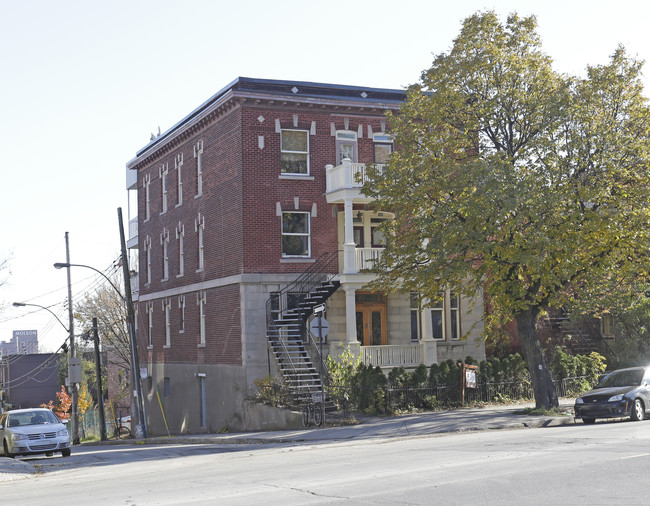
[[622, 379], [32, 418]]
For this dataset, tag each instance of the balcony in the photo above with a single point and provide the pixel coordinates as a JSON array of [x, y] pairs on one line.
[[405, 355], [132, 241], [365, 258], [344, 182]]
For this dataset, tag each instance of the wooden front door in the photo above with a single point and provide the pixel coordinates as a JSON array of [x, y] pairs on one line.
[[371, 319]]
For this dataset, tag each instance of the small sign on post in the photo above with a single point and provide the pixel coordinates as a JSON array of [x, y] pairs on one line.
[[468, 379], [319, 309]]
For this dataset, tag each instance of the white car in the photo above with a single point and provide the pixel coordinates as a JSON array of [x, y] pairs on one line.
[[35, 430]]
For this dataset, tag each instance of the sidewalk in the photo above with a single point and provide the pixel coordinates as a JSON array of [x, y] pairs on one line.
[[510, 416]]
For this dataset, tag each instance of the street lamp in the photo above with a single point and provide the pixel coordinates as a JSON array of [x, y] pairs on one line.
[[23, 304], [142, 423], [61, 265]]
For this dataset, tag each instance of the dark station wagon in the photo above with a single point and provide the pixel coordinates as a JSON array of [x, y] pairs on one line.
[[621, 393]]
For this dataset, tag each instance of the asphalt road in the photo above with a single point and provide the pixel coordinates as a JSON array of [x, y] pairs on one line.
[[605, 463]]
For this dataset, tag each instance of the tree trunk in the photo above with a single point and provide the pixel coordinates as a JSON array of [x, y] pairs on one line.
[[540, 374]]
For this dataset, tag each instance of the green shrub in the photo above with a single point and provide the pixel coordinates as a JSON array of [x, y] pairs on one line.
[[272, 391]]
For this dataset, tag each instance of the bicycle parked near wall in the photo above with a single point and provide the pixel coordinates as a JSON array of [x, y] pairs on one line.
[[313, 411], [123, 428]]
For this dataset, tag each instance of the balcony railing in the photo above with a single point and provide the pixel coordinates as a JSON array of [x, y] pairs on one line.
[[366, 257], [346, 176], [405, 355], [132, 241]]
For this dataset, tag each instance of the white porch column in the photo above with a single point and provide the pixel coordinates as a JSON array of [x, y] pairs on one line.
[[349, 246], [350, 316]]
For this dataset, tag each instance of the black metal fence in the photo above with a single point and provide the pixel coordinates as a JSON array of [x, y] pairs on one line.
[[392, 399]]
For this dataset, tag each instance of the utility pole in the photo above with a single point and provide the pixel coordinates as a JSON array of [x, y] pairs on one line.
[[74, 416], [135, 363], [100, 388]]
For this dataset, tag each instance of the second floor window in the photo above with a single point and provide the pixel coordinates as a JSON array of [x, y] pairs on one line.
[[296, 234], [164, 170], [164, 243], [198, 154], [294, 156], [199, 226], [179, 178]]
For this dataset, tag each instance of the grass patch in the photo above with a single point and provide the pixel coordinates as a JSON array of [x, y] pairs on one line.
[[546, 412]]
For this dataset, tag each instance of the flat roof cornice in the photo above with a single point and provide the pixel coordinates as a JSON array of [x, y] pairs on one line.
[[245, 89]]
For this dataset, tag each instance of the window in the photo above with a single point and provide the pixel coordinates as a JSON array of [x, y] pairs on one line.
[[201, 304], [346, 146], [198, 154], [453, 315], [294, 152], [378, 237], [147, 197], [295, 234], [166, 306], [180, 235], [166, 387], [164, 242], [181, 314], [150, 325], [147, 251], [199, 226], [382, 148], [162, 172], [437, 318], [415, 316], [179, 180]]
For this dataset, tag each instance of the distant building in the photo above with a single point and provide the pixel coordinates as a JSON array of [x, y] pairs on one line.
[[22, 342], [29, 380]]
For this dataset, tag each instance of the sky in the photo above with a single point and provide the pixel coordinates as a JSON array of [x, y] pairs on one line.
[[84, 85]]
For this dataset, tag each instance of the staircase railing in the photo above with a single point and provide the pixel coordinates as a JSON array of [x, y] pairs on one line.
[[291, 301], [595, 333]]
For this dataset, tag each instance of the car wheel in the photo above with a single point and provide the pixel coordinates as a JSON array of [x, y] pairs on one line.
[[65, 453], [6, 450], [588, 421], [638, 410]]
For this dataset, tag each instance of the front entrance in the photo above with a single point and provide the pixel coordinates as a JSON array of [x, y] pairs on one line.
[[371, 318]]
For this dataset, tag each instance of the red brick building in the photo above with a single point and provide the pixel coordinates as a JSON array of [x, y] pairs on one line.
[[258, 185]]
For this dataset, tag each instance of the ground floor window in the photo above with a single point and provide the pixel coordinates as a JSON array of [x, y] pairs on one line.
[[435, 319]]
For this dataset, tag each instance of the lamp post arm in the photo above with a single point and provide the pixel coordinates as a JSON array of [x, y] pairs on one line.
[[60, 265], [23, 304]]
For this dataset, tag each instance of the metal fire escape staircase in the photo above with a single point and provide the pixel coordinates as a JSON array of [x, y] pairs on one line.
[[296, 352]]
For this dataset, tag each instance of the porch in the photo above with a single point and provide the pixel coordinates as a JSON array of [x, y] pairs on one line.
[[400, 355]]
